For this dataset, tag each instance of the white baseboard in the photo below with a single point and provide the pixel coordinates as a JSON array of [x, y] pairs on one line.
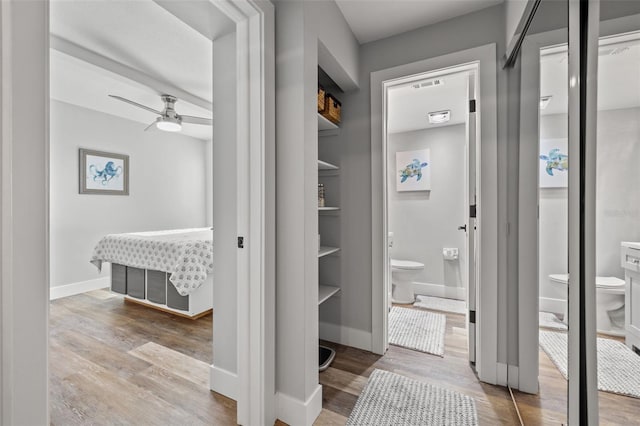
[[439, 290], [223, 382], [345, 335], [77, 288], [502, 374], [548, 304], [295, 412], [514, 376]]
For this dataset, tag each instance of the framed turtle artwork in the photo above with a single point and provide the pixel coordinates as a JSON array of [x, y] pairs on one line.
[[413, 170], [103, 173], [554, 163]]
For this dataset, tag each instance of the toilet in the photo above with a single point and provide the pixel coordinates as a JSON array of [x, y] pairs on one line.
[[403, 274], [609, 297]]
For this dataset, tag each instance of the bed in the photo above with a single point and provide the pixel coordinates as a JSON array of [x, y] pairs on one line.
[[166, 270]]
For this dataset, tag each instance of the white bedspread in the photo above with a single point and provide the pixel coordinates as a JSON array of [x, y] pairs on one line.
[[185, 253]]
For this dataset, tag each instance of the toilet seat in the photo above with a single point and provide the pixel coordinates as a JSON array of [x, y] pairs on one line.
[[605, 284], [406, 264]]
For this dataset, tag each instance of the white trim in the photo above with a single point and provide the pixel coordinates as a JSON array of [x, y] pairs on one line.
[[502, 374], [487, 190], [223, 382], [548, 304], [295, 412], [439, 290], [255, 141], [344, 335], [72, 289], [513, 376], [24, 257], [528, 202], [507, 375]]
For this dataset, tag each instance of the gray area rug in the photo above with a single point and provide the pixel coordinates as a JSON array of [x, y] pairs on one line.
[[550, 320], [390, 399], [618, 366], [441, 304], [416, 329]]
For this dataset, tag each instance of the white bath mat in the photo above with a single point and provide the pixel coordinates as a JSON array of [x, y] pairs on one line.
[[618, 366], [416, 329], [441, 304], [389, 399], [550, 320]]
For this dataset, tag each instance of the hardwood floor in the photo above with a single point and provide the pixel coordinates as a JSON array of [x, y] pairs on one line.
[[120, 363], [344, 380]]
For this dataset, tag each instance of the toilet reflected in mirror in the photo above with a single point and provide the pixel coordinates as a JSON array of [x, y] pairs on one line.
[[609, 298]]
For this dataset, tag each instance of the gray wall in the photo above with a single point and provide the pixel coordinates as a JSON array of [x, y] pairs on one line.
[[473, 30], [617, 199], [424, 222], [166, 186], [301, 30]]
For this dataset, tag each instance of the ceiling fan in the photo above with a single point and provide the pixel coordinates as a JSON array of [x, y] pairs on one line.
[[169, 120]]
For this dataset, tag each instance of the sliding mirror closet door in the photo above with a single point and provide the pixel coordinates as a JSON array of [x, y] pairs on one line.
[[578, 214], [617, 212]]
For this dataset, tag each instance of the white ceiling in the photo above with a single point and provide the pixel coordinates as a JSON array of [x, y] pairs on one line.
[[141, 34], [618, 76], [80, 83], [408, 107], [372, 20]]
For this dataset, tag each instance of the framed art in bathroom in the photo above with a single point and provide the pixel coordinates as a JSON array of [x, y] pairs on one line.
[[413, 170], [103, 173], [554, 163]]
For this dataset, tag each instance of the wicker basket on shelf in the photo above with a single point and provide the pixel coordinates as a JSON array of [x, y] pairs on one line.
[[332, 108], [321, 99]]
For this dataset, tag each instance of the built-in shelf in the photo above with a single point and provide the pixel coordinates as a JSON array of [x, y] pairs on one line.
[[328, 209], [323, 165], [325, 292], [326, 251], [324, 124]]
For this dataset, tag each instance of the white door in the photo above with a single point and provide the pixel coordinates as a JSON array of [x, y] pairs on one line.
[[470, 226]]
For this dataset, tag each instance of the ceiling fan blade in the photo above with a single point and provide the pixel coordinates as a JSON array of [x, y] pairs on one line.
[[151, 125], [196, 120], [120, 98]]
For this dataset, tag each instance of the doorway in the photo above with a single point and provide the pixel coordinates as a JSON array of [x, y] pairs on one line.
[[485, 315], [430, 145], [105, 84], [25, 286]]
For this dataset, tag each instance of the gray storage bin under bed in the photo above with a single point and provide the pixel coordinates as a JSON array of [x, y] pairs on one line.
[[147, 284]]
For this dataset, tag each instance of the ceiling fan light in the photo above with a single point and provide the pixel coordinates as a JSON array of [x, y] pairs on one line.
[[169, 125]]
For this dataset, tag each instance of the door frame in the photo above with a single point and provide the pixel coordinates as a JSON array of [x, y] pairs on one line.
[[487, 212], [24, 228], [471, 70]]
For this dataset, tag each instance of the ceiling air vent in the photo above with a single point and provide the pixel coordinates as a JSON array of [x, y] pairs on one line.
[[428, 83]]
